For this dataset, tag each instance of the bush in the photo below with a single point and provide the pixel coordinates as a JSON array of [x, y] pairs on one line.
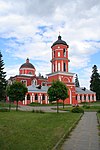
[[86, 106], [37, 111], [4, 110], [77, 110], [98, 111]]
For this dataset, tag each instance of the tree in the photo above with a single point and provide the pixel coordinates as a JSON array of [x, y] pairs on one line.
[[3, 81], [57, 91], [77, 81], [95, 82], [16, 92]]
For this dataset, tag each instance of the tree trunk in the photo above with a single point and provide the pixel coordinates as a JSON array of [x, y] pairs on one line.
[[57, 107], [9, 105], [17, 106]]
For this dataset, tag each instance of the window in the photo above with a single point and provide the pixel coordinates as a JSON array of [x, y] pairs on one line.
[[43, 97], [64, 52], [54, 67], [88, 97], [76, 97], [28, 97], [92, 97], [84, 97], [58, 54], [24, 82], [58, 66], [36, 97], [80, 97], [64, 67]]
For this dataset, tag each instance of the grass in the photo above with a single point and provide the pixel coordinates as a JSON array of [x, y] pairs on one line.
[[33, 131]]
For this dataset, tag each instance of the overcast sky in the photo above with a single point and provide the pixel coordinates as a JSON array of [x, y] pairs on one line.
[[28, 28]]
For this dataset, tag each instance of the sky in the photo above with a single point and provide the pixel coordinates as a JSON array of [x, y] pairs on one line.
[[28, 28]]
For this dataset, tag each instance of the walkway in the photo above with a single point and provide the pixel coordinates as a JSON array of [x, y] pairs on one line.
[[85, 135]]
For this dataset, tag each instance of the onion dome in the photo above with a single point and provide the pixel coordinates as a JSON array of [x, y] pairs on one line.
[[59, 41], [27, 65]]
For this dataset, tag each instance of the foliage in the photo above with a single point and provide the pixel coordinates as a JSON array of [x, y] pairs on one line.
[[38, 111], [95, 82], [77, 110], [19, 130], [16, 92], [77, 81], [4, 110], [86, 106], [57, 91], [3, 81]]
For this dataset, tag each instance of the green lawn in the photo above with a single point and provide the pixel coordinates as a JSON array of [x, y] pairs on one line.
[[33, 131]]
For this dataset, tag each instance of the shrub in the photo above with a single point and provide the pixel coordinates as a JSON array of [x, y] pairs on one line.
[[4, 110], [98, 111], [37, 111], [86, 106], [77, 110]]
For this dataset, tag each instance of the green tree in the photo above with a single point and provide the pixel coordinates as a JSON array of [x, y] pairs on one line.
[[3, 81], [77, 81], [16, 92], [57, 91], [95, 82]]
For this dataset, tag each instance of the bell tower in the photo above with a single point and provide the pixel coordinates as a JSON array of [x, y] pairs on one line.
[[60, 70], [59, 56]]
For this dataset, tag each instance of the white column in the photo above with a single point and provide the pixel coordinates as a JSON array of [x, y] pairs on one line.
[[62, 65], [87, 98], [78, 98], [55, 65], [46, 100], [82, 98], [25, 99], [90, 98], [94, 97]]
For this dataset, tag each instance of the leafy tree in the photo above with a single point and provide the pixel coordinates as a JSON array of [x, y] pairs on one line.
[[16, 92], [95, 82], [57, 91], [77, 81], [3, 81]]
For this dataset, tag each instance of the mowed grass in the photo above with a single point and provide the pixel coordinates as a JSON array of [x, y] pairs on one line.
[[33, 131]]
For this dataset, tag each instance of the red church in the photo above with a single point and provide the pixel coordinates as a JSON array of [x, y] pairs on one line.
[[38, 85]]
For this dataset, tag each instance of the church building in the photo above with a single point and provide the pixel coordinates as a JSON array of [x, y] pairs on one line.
[[38, 85]]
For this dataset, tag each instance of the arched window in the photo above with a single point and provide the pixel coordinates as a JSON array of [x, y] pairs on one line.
[[36, 97], [80, 97], [92, 97], [64, 52], [88, 97], [84, 97], [43, 97], [64, 66], [28, 97]]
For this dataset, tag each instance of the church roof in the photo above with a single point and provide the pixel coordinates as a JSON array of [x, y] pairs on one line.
[[27, 65], [80, 90], [59, 41]]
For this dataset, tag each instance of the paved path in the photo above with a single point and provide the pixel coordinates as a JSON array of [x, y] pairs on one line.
[[44, 108], [85, 135]]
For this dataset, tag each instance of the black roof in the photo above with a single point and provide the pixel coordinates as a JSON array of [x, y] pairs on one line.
[[27, 65], [59, 41]]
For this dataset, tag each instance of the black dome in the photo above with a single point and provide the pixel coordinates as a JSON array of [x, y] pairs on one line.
[[59, 41], [27, 65]]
